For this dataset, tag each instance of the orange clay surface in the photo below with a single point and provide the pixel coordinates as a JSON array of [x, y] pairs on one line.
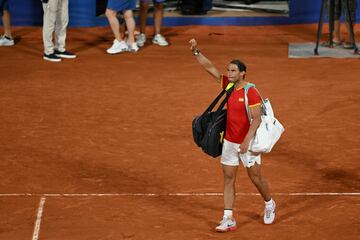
[[122, 124]]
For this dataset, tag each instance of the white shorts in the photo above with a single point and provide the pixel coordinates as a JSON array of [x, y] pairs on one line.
[[230, 155]]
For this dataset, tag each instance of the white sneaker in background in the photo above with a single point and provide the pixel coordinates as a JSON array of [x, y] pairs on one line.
[[118, 47], [269, 212], [133, 47], [141, 39], [160, 40], [226, 224], [6, 41]]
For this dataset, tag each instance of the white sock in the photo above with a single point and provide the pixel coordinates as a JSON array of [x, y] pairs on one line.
[[270, 202], [228, 213]]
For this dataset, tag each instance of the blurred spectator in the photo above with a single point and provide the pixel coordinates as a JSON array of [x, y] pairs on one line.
[[158, 17], [339, 10], [56, 19], [119, 44], [6, 39]]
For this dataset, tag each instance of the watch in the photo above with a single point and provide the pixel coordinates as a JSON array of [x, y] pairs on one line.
[[196, 52]]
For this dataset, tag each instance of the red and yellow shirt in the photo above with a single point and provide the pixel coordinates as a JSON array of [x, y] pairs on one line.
[[237, 122]]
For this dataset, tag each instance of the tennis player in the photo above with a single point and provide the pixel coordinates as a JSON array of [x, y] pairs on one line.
[[239, 132]]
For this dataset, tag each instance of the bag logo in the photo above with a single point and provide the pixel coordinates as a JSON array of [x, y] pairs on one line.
[[222, 137]]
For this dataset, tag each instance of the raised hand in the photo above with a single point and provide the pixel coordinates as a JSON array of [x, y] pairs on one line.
[[193, 44]]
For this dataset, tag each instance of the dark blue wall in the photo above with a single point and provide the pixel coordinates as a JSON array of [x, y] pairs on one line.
[[83, 13], [29, 12]]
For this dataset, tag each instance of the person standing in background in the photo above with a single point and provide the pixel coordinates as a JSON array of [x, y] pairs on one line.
[[119, 43], [56, 19], [6, 39], [158, 17], [340, 10]]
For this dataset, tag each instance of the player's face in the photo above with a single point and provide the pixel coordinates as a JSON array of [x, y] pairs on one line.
[[234, 74]]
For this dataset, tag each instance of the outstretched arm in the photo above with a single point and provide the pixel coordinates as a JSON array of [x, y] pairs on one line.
[[204, 62]]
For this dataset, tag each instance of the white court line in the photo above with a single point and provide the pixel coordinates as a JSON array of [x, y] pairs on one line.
[[170, 194], [38, 218]]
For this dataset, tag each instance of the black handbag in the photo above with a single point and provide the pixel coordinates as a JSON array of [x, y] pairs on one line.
[[209, 128]]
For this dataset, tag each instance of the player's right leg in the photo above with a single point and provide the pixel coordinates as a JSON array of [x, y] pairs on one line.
[[230, 163], [228, 222]]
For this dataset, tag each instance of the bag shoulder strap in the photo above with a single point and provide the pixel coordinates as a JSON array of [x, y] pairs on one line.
[[248, 86], [246, 90], [228, 90]]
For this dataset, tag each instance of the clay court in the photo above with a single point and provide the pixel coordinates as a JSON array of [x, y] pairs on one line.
[[100, 147]]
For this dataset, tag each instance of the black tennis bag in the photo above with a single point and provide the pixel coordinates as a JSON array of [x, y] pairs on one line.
[[209, 128]]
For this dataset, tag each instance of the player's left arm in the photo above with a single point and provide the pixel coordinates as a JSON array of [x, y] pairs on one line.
[[255, 112]]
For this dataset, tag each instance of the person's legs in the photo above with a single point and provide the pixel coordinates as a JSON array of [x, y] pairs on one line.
[[130, 24], [62, 20], [158, 17], [229, 185], [336, 40], [119, 45], [6, 39], [337, 24], [49, 25], [114, 23], [144, 7], [337, 28], [254, 174], [230, 163], [228, 222], [49, 20], [352, 5], [347, 38], [141, 38], [6, 18]]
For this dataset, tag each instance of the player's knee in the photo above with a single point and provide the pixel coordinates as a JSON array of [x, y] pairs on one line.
[[229, 178]]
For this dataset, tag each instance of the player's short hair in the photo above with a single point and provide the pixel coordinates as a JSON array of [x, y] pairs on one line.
[[241, 66]]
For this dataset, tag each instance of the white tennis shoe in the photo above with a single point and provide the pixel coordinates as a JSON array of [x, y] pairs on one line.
[[226, 224], [133, 47], [6, 41], [141, 39], [160, 40], [269, 212], [118, 47]]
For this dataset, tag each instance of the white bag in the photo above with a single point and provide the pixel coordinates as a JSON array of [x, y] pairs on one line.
[[269, 131]]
